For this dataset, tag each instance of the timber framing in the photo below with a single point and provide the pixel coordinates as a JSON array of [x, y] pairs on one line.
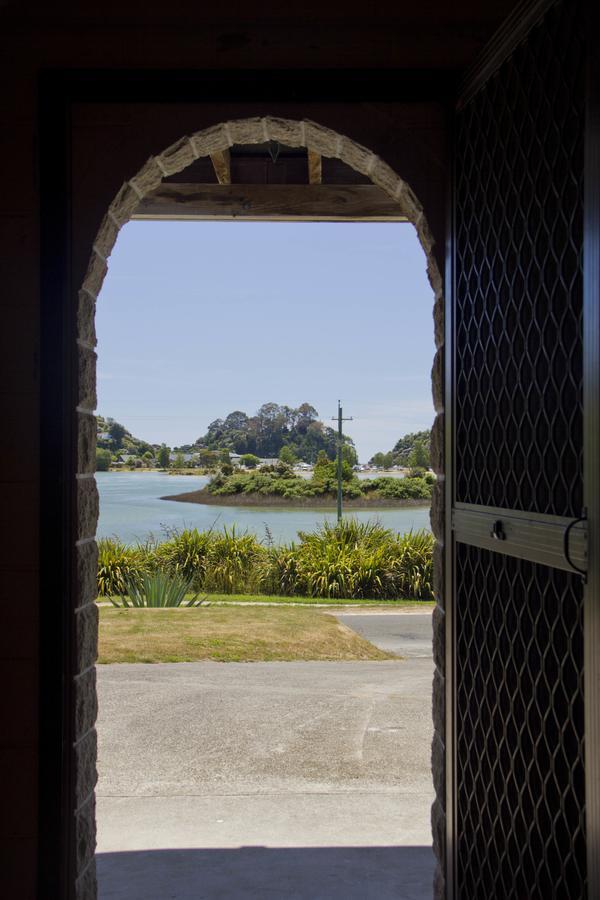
[[221, 160], [275, 202]]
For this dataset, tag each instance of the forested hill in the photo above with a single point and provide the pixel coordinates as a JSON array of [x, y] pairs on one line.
[[409, 450], [271, 428]]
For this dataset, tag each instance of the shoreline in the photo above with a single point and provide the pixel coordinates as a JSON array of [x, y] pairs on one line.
[[262, 500]]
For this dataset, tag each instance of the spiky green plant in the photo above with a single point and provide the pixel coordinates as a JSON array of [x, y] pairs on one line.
[[157, 589], [410, 572], [119, 564], [234, 563], [185, 554]]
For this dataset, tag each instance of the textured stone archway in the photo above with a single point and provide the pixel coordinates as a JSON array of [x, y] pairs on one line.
[[174, 159]]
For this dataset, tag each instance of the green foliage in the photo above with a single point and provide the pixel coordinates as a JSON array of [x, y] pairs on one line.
[[280, 481], [179, 461], [352, 560], [270, 429], [233, 563], [119, 564], [349, 454], [103, 460], [398, 488], [249, 460], [409, 450], [185, 554], [156, 589], [418, 457], [117, 433], [287, 455], [163, 457]]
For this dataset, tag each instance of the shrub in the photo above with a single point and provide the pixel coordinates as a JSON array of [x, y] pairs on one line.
[[411, 569], [103, 460], [354, 559], [233, 565], [119, 564], [185, 554]]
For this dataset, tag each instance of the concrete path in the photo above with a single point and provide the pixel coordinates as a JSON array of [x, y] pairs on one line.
[[408, 635], [256, 780]]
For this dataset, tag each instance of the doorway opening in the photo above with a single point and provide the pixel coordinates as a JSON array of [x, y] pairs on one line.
[[160, 191]]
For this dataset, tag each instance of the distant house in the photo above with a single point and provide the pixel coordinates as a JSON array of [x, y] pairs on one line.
[[234, 459], [104, 436], [269, 462], [127, 457]]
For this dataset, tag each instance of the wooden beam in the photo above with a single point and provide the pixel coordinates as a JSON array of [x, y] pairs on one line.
[[221, 160], [315, 168], [275, 202]]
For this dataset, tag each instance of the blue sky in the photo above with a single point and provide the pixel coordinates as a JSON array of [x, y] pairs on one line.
[[197, 319]]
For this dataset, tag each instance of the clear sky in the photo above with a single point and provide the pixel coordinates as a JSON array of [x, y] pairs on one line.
[[197, 319]]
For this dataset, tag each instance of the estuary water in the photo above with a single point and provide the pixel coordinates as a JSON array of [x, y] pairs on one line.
[[131, 509]]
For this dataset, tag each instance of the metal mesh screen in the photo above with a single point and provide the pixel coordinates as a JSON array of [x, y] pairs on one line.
[[519, 277], [520, 774]]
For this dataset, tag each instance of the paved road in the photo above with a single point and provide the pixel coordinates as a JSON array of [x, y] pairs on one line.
[[408, 635], [279, 780]]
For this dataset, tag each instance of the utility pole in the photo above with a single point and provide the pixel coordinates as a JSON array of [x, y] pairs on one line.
[[340, 419]]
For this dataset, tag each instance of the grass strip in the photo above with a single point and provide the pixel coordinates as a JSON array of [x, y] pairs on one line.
[[270, 599], [228, 634]]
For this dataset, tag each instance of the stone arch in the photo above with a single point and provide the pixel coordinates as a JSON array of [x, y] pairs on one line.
[[177, 157]]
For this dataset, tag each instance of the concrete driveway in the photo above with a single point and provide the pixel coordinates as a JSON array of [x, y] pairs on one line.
[[282, 780], [407, 634]]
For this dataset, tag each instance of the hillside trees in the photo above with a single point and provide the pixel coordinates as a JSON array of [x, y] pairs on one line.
[[411, 450], [163, 457], [270, 429]]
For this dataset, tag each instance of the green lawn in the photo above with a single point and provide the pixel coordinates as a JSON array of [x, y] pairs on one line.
[[228, 634], [240, 599]]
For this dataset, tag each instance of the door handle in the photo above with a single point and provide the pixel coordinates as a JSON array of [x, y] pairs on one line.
[[566, 536]]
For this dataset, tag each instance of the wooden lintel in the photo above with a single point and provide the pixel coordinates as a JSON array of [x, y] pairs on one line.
[[315, 168], [275, 202], [221, 160]]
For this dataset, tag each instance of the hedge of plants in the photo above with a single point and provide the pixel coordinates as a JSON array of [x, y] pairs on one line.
[[352, 560]]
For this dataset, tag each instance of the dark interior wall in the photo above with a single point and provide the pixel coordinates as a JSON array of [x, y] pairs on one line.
[[110, 144], [426, 46]]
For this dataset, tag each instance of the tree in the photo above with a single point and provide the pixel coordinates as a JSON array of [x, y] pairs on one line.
[[321, 460], [388, 460], [349, 454], [249, 460], [164, 457], [179, 461], [418, 457], [117, 433], [224, 458], [287, 455], [103, 460], [208, 458]]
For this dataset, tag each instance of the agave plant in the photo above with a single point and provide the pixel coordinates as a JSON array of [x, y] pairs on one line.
[[157, 589]]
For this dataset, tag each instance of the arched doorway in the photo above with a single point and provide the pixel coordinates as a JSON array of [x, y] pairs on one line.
[[215, 142]]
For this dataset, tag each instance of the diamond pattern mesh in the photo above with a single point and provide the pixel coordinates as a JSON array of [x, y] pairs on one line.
[[519, 277], [520, 775]]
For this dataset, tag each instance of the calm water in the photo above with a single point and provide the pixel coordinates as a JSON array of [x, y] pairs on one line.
[[131, 509]]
